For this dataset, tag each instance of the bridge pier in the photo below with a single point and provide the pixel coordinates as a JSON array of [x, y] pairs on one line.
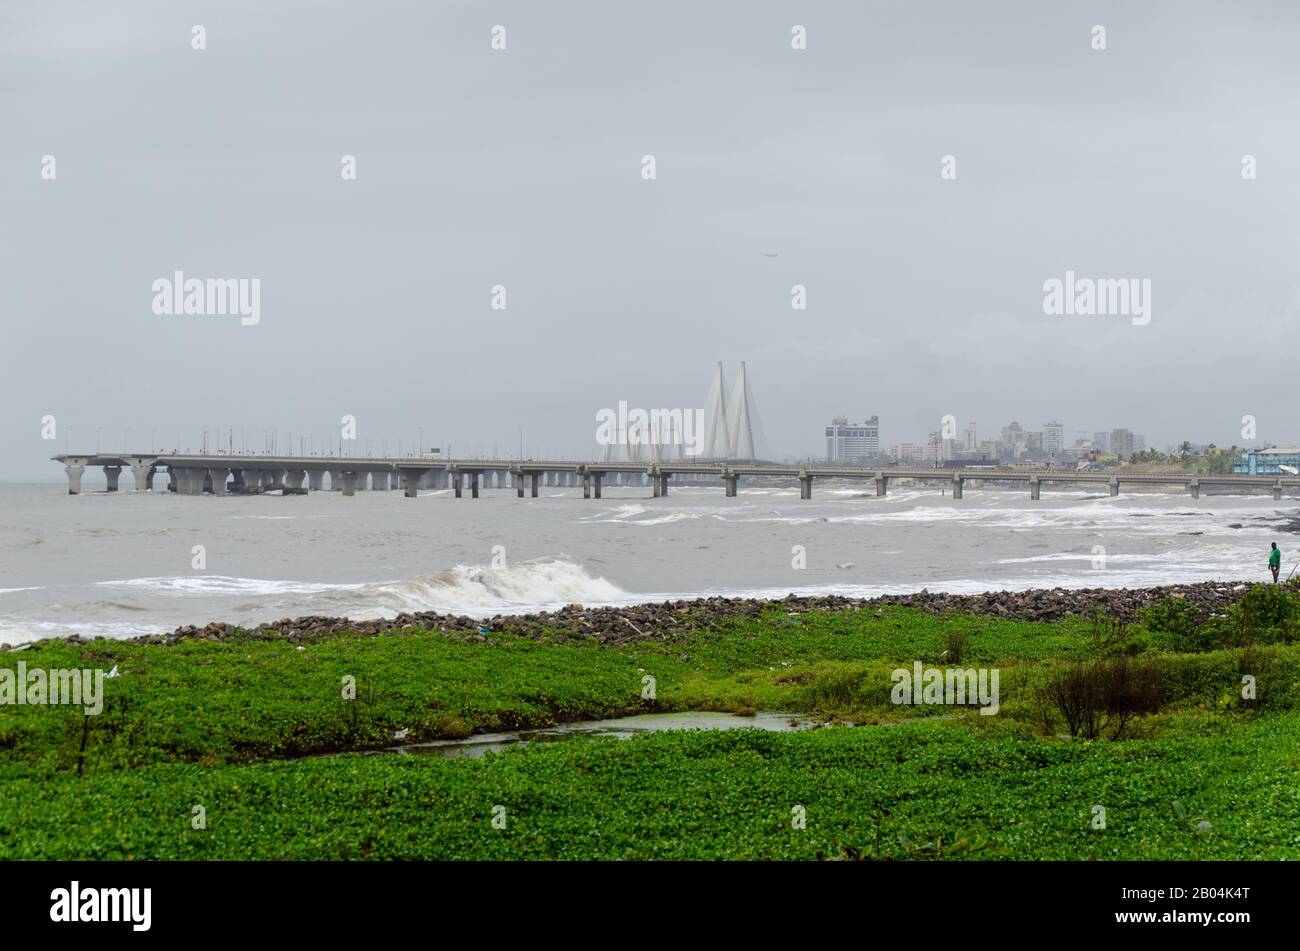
[[1194, 487], [1114, 486], [586, 485], [663, 484], [412, 479], [112, 473], [252, 479], [473, 485], [805, 486], [336, 479], [194, 479], [142, 474], [455, 483], [1277, 491], [958, 485], [293, 478], [219, 476], [74, 471], [349, 483], [730, 481], [1033, 489], [881, 486], [315, 480], [517, 477], [597, 477], [363, 480]]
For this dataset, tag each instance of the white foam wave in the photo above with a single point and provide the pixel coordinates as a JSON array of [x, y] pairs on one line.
[[224, 584], [480, 591]]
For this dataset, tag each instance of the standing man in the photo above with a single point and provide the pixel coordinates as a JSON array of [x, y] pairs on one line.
[[1275, 561]]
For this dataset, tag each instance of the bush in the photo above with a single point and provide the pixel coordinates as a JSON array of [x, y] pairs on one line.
[[1180, 623], [1101, 697]]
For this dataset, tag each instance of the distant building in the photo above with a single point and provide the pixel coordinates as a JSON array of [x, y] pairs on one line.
[[972, 443], [1053, 439], [1121, 443], [1266, 462], [910, 452], [852, 443], [1101, 442]]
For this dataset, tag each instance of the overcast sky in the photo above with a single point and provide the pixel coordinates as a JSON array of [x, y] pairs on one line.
[[523, 168]]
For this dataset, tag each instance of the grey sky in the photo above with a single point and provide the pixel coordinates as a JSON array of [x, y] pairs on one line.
[[522, 168]]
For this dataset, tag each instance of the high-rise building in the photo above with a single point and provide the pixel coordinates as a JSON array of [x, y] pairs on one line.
[[910, 452], [1121, 442], [1101, 441], [1053, 438], [852, 443], [972, 443], [1012, 444]]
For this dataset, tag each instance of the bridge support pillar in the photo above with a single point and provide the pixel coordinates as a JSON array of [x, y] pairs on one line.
[[349, 483], [1114, 486], [363, 481], [74, 471], [533, 479], [455, 483], [586, 485], [958, 485], [881, 486], [1033, 489], [517, 477], [219, 476], [193, 480], [473, 485], [112, 473], [805, 487], [315, 480], [411, 479], [293, 478], [597, 477], [1277, 492], [1195, 488], [336, 480], [143, 476], [730, 481], [252, 479]]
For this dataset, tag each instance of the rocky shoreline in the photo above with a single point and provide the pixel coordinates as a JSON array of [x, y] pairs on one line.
[[670, 620]]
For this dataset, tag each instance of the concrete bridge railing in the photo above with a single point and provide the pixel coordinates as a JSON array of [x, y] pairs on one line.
[[221, 474]]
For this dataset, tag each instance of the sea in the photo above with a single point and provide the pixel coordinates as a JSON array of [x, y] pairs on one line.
[[129, 563]]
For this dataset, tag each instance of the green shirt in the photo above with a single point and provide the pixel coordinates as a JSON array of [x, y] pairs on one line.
[[1275, 558]]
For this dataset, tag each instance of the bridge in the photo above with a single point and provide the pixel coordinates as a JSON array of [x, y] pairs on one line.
[[222, 474]]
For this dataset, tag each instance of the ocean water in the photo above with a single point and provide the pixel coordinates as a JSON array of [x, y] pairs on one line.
[[124, 563]]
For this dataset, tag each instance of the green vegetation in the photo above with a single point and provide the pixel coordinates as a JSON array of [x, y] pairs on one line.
[[1187, 762]]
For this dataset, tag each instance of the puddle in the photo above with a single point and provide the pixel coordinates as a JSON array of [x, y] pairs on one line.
[[620, 728]]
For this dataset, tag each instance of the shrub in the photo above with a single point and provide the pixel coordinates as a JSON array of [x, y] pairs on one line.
[[1101, 697]]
